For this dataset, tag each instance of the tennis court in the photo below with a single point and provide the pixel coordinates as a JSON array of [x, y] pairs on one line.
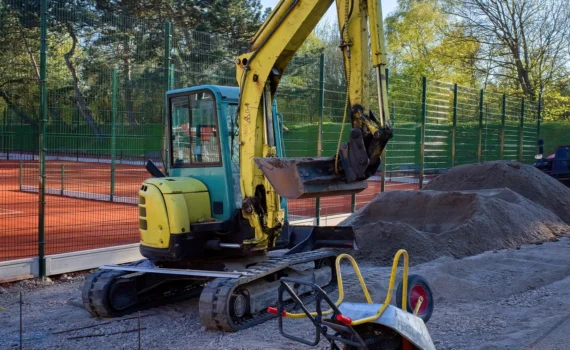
[[79, 214], [71, 224]]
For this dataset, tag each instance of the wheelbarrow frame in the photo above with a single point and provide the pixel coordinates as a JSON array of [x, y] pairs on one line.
[[343, 325]]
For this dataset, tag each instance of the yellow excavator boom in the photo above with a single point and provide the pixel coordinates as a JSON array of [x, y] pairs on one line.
[[263, 176]]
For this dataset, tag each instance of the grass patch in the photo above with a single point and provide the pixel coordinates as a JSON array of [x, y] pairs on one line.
[[554, 134]]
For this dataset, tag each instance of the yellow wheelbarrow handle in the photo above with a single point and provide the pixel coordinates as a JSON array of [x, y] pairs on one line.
[[365, 289]]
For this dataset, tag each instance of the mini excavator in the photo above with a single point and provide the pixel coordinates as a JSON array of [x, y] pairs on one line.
[[212, 222]]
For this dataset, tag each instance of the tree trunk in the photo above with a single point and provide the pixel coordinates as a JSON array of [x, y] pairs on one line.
[[79, 98], [30, 53], [522, 73], [128, 85]]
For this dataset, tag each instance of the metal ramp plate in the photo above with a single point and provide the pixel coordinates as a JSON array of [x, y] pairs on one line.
[[182, 272]]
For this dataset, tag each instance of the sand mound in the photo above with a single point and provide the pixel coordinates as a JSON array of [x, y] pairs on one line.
[[430, 224], [523, 179]]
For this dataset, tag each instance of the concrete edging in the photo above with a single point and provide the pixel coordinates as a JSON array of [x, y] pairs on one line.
[[16, 270], [89, 259]]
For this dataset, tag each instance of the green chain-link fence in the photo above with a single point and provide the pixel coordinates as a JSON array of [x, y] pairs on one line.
[[19, 104], [72, 158]]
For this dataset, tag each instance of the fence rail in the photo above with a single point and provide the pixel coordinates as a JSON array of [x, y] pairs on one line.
[[82, 109]]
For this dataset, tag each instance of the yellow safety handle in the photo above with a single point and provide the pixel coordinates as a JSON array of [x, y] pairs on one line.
[[365, 289], [390, 287], [340, 286]]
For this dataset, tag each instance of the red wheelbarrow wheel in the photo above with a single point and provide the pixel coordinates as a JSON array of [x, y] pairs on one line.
[[417, 286]]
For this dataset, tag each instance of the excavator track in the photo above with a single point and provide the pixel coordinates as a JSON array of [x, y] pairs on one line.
[[214, 297], [214, 300], [96, 293]]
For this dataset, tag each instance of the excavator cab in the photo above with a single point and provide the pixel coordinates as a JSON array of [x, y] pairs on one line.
[[197, 203], [203, 139], [203, 142]]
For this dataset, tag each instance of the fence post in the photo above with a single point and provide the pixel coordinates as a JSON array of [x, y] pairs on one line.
[[384, 153], [113, 132], [454, 126], [167, 84], [167, 53], [172, 82], [320, 132], [423, 131], [21, 174], [503, 118], [42, 138], [5, 132], [521, 132], [480, 142], [62, 179], [539, 115]]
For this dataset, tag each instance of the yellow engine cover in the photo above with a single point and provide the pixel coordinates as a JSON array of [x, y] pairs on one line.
[[168, 205]]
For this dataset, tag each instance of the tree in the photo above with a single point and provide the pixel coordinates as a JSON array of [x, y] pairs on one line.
[[524, 43], [238, 19], [422, 41], [19, 72]]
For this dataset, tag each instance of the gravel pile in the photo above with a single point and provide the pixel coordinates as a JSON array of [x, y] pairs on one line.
[[466, 211], [521, 178]]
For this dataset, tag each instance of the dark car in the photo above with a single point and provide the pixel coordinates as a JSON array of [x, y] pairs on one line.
[[556, 165]]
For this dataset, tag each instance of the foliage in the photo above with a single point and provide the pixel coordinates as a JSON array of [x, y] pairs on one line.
[[87, 39], [523, 47], [557, 103], [422, 41]]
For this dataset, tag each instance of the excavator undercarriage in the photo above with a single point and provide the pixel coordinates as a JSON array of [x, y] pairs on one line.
[[234, 292], [229, 302]]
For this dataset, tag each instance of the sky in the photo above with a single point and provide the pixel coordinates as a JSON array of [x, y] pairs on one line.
[[387, 7]]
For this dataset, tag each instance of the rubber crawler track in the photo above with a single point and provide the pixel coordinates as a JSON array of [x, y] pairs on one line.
[[214, 300], [95, 294]]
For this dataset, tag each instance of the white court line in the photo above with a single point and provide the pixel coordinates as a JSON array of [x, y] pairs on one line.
[[82, 195], [8, 212]]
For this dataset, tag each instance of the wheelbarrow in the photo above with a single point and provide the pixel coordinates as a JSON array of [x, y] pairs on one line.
[[364, 325]]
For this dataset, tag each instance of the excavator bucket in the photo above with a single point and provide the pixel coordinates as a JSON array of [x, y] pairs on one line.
[[296, 178]]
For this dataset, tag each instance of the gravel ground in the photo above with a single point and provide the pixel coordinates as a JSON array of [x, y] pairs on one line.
[[516, 299]]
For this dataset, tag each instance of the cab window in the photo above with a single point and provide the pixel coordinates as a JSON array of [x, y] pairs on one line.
[[194, 130]]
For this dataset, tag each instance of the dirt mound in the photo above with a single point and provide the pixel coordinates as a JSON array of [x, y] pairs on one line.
[[521, 178], [430, 224]]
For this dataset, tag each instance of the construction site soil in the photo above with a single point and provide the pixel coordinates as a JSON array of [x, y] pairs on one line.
[[466, 211], [524, 179], [505, 299]]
